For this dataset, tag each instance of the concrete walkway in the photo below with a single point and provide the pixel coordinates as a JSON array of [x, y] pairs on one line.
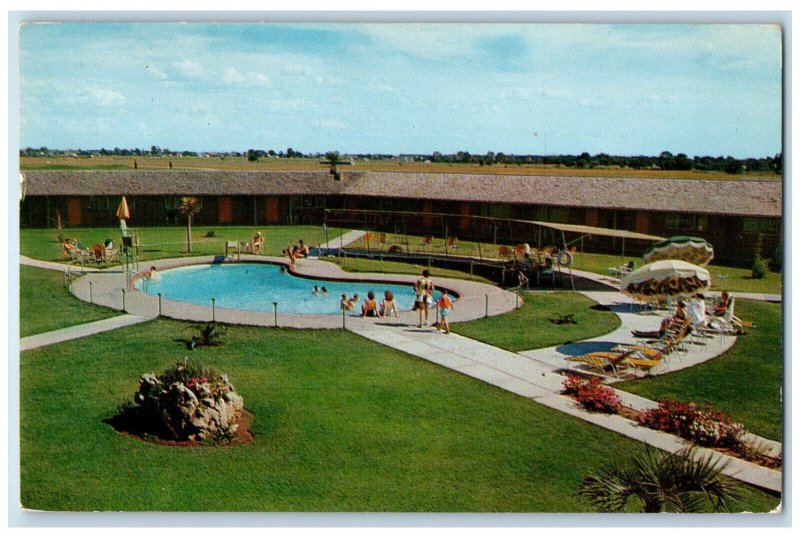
[[339, 242], [56, 266], [78, 331]]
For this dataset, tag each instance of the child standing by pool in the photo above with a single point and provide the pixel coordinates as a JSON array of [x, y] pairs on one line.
[[445, 306]]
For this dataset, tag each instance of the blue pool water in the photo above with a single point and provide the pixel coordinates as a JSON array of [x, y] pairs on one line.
[[256, 286]]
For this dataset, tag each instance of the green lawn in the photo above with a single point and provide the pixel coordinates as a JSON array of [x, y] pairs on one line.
[[529, 327], [342, 424], [734, 279], [367, 265], [745, 382], [168, 242], [46, 304]]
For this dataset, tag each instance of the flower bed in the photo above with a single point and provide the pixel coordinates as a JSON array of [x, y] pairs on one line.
[[592, 394], [706, 427], [701, 425]]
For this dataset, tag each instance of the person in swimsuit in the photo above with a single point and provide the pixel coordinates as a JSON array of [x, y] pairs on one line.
[[445, 307], [424, 290], [370, 307], [388, 305]]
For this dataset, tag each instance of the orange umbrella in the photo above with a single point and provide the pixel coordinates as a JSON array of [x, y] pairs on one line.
[[123, 213]]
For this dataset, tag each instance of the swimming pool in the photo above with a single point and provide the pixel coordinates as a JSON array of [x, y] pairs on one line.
[[255, 286]]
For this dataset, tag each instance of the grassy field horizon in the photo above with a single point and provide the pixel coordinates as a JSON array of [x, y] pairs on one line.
[[112, 162]]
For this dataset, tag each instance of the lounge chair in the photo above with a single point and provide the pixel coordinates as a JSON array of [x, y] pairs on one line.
[[383, 240], [603, 362]]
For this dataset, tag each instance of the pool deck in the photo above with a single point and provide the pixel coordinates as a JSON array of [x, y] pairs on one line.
[[109, 288]]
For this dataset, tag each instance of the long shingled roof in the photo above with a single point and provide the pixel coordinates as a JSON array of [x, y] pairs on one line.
[[716, 197]]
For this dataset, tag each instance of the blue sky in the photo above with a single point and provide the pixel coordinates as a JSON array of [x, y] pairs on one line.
[[404, 88]]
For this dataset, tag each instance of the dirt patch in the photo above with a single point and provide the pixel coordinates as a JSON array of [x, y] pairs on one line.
[[127, 423]]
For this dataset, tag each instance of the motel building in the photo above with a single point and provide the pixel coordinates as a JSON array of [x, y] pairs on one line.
[[740, 218]]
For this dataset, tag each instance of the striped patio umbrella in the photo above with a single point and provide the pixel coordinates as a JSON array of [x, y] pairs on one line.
[[123, 213], [694, 250], [666, 278]]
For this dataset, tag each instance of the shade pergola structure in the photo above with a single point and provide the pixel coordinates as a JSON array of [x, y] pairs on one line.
[[486, 236], [584, 231]]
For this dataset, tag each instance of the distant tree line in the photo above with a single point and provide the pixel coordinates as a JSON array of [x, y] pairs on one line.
[[663, 161]]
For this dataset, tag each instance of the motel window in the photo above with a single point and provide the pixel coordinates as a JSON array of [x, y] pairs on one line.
[[687, 223], [552, 214], [104, 203], [764, 226], [300, 202], [500, 211]]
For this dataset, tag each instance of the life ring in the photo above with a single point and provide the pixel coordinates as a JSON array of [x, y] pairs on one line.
[[564, 258]]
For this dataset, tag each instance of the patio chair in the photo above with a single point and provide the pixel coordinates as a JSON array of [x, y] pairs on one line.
[[426, 242], [603, 362], [644, 363], [504, 251], [728, 323], [452, 242]]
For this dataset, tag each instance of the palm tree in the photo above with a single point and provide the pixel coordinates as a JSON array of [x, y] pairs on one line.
[[662, 482], [334, 159], [189, 206]]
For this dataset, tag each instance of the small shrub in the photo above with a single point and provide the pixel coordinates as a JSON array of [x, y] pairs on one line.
[[592, 394], [760, 268]]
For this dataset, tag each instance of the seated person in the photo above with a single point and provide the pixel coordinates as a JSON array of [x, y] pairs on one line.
[[256, 244], [527, 263], [680, 315], [388, 305], [324, 291], [153, 274], [370, 307], [71, 249], [300, 250], [349, 304], [721, 308], [99, 252], [696, 311]]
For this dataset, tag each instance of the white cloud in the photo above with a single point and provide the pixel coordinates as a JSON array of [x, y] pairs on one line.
[[291, 104], [231, 75], [156, 72], [104, 97], [191, 68], [297, 69]]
